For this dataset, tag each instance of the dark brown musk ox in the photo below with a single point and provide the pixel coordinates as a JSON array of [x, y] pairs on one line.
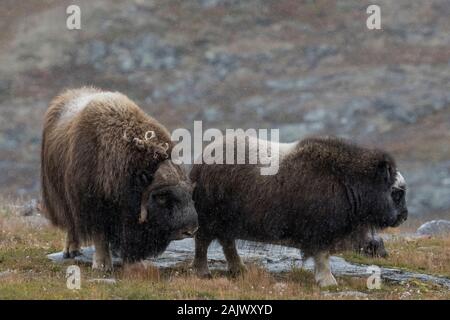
[[107, 178], [325, 190]]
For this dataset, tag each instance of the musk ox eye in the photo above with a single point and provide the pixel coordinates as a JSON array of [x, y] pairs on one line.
[[398, 195], [160, 199]]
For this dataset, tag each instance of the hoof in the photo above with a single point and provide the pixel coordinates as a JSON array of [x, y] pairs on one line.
[[238, 270], [205, 275], [375, 248], [202, 273], [74, 254], [104, 265], [71, 254], [328, 281]]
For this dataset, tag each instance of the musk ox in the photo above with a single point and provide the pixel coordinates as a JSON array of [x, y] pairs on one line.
[[107, 177], [325, 190]]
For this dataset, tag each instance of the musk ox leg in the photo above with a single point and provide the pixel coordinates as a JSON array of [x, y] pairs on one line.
[[72, 247], [235, 265], [373, 246], [200, 264], [102, 256], [322, 270]]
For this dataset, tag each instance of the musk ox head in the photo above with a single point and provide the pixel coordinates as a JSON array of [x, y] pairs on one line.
[[391, 210], [398, 196], [166, 213], [167, 204]]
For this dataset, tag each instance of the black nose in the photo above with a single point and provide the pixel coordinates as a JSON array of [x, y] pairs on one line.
[[400, 219], [404, 215]]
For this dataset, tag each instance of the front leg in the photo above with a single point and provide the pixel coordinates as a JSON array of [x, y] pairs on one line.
[[102, 256], [72, 246], [322, 270], [200, 263], [235, 264]]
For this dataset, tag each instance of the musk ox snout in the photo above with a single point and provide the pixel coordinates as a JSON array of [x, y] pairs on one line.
[[168, 206], [171, 209], [398, 197], [188, 222]]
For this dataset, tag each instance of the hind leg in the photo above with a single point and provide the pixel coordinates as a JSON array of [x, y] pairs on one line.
[[102, 256], [322, 270], [72, 246], [235, 265], [200, 264]]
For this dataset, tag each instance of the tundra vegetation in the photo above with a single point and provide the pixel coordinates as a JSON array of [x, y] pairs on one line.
[[26, 273]]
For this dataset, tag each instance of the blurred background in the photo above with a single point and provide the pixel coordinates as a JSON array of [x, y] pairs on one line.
[[306, 67]]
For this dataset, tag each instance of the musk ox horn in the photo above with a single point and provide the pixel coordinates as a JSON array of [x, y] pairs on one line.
[[144, 214], [152, 133], [164, 147], [125, 137], [139, 143]]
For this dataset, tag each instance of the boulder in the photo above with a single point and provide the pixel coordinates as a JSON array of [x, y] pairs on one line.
[[434, 228]]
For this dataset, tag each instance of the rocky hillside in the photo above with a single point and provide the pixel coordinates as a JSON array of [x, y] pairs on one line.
[[304, 66]]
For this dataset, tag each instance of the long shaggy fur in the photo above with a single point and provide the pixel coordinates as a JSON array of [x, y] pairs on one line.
[[325, 190], [96, 161]]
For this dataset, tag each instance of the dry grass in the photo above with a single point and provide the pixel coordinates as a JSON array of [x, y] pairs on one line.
[[26, 273], [431, 256]]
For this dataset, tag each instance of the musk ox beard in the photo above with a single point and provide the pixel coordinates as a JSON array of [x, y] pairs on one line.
[[103, 162], [326, 190]]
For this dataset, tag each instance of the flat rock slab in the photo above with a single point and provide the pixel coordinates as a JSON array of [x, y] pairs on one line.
[[347, 294], [274, 258], [6, 274], [106, 280]]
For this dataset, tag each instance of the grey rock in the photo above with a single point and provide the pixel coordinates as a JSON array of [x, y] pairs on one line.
[[314, 54], [346, 294], [214, 3], [291, 84], [222, 62], [297, 131], [5, 85], [428, 188], [212, 114], [273, 257], [5, 274], [85, 257], [146, 51], [30, 208], [318, 115], [435, 228], [104, 280]]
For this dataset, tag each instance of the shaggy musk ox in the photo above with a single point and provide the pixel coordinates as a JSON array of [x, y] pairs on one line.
[[107, 177], [326, 190]]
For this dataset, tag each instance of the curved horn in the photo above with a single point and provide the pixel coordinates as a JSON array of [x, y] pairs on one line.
[[143, 215], [152, 133], [139, 142], [125, 137]]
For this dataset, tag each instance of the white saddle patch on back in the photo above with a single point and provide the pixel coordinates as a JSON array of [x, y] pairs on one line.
[[74, 106], [275, 150]]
